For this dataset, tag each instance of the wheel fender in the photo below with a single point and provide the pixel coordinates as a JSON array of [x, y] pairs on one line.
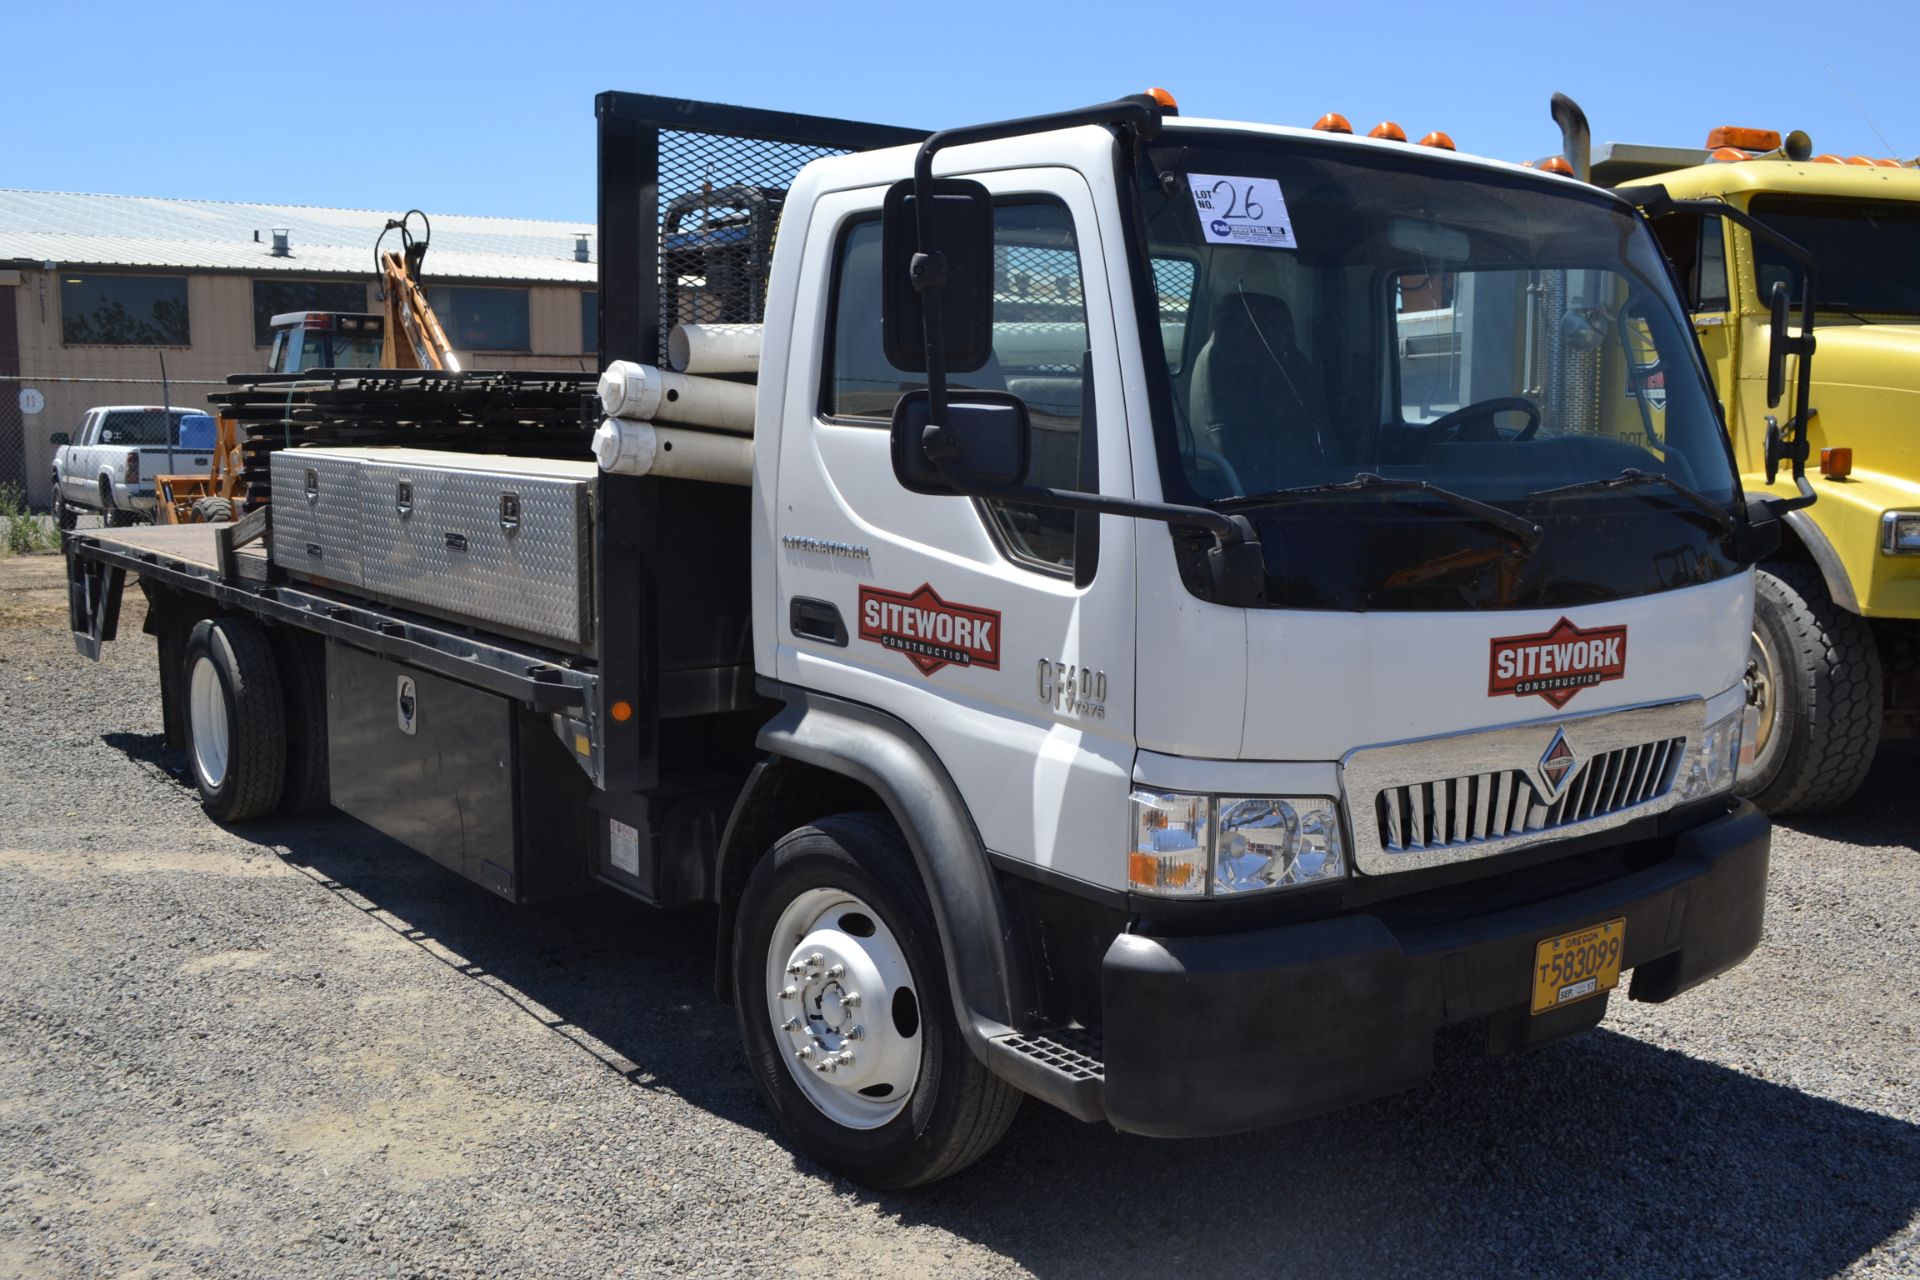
[[1825, 559], [885, 755]]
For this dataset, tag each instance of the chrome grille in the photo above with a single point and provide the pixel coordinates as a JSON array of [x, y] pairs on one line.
[[1429, 801], [1507, 802]]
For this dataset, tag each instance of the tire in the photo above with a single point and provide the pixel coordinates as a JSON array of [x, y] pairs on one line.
[[212, 511], [853, 877], [236, 719], [303, 677], [1817, 693], [66, 517]]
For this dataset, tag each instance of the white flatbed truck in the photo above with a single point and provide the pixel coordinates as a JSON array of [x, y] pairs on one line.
[[1137, 675]]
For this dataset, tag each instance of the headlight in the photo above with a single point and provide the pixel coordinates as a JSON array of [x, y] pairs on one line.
[[1187, 846], [1709, 767], [1900, 533]]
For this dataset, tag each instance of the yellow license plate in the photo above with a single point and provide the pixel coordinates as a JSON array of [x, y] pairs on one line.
[[1577, 965]]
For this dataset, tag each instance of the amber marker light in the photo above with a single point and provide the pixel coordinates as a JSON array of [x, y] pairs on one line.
[[1333, 122], [1438, 139], [1827, 157], [1745, 139], [1728, 155], [1557, 164], [622, 711], [1389, 130], [1836, 463], [1164, 98]]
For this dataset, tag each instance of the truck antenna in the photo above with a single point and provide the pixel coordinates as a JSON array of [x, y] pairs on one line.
[[1841, 85]]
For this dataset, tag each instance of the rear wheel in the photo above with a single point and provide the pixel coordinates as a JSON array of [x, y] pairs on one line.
[[841, 993], [236, 719], [212, 510], [110, 515], [1814, 717]]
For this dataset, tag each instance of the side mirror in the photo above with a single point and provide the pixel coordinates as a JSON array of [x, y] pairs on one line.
[[1777, 347], [957, 278], [985, 443], [60, 438]]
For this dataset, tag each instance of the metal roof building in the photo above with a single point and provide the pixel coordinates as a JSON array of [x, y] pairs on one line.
[[134, 299]]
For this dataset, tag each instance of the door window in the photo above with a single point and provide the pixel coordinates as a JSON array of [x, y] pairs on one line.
[[1039, 354]]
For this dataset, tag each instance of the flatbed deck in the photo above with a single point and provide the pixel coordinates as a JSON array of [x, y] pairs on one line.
[[188, 558]]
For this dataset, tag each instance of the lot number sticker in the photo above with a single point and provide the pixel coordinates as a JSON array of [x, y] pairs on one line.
[[1249, 211]]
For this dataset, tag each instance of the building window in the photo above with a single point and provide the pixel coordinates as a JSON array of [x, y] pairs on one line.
[[482, 319], [277, 297], [590, 322], [124, 311]]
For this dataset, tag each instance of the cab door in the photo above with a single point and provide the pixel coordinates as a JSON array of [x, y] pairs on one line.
[[1003, 636]]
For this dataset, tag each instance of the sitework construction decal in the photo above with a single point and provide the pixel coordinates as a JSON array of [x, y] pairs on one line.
[[1557, 663], [929, 631]]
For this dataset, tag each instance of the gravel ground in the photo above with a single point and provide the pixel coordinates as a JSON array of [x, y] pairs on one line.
[[301, 1049]]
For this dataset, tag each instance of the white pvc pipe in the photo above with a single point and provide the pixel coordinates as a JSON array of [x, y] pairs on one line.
[[641, 391], [714, 348], [630, 448]]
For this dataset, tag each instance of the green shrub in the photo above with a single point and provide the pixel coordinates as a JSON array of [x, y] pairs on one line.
[[25, 532]]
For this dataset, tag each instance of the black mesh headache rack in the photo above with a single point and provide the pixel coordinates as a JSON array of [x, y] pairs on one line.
[[690, 196]]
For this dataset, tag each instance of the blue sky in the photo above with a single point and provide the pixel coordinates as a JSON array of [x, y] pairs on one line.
[[486, 108]]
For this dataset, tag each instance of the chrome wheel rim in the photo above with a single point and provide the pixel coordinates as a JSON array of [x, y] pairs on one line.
[[844, 1007], [207, 712], [1762, 736]]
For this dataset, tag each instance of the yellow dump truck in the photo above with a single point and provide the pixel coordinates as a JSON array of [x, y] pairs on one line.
[[1836, 652]]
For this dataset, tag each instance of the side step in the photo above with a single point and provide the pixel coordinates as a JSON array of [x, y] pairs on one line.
[[1061, 1065]]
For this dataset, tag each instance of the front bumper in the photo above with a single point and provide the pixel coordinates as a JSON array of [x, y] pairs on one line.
[[1228, 1032]]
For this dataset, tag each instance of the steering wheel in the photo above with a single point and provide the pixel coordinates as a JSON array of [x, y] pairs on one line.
[[1483, 411]]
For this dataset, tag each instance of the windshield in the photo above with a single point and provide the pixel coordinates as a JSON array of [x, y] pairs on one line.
[[1867, 252], [324, 350], [1356, 314]]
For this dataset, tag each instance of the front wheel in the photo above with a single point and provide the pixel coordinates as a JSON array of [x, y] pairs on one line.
[[1814, 716], [844, 1012]]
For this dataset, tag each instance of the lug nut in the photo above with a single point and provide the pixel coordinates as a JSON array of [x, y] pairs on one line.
[[846, 1058], [855, 1032], [804, 1052], [795, 969], [815, 960], [791, 1024], [850, 1000], [789, 993], [836, 971]]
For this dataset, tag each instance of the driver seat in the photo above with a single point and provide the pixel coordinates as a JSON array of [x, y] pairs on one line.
[[1257, 400]]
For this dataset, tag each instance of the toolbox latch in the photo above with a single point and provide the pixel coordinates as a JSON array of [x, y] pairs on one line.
[[509, 512], [403, 499]]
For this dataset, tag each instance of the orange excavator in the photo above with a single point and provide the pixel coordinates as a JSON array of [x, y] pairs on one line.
[[409, 337]]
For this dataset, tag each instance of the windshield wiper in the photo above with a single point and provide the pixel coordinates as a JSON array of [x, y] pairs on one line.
[[1845, 309], [1714, 513], [1518, 528]]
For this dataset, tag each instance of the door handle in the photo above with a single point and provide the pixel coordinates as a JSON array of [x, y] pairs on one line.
[[817, 620]]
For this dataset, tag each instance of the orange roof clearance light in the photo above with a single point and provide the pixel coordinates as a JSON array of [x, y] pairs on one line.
[[1887, 162], [1389, 130], [1438, 139], [1164, 98], [1333, 122], [1728, 155], [1864, 162], [1556, 164], [1745, 139], [1828, 158]]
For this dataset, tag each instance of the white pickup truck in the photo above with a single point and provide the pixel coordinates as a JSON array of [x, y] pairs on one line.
[[110, 464]]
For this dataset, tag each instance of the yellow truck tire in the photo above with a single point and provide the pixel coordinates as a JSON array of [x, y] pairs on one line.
[[1818, 693]]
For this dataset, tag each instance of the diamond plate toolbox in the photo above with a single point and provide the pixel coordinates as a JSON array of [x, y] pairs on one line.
[[316, 514], [479, 538]]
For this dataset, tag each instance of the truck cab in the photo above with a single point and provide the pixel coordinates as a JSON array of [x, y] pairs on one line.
[[1836, 652], [305, 340]]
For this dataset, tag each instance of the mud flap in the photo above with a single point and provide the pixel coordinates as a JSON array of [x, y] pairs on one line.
[[93, 603]]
